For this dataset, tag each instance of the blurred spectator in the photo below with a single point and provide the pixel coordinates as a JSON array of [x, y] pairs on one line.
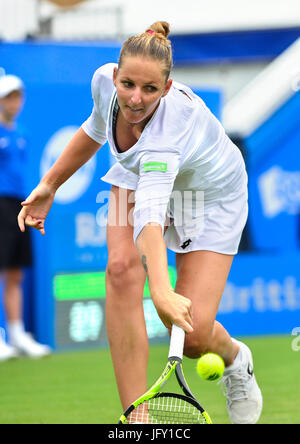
[[15, 247]]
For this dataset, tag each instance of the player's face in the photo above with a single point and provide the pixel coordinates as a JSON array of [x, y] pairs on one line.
[[140, 84], [12, 104]]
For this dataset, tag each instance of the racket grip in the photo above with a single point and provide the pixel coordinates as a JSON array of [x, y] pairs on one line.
[[177, 342]]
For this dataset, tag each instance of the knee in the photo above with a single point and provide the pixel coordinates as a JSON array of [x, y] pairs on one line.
[[123, 269], [196, 344], [14, 277]]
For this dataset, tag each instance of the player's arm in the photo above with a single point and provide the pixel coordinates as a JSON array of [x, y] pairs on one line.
[[158, 171], [172, 308], [36, 207]]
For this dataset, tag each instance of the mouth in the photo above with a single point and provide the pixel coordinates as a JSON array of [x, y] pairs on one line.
[[135, 110]]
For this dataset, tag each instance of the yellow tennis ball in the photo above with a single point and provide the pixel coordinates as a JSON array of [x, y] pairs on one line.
[[210, 367]]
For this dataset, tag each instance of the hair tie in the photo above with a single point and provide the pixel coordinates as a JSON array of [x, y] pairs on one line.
[[151, 32]]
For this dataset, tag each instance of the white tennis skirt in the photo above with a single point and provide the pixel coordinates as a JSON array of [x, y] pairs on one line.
[[219, 225]]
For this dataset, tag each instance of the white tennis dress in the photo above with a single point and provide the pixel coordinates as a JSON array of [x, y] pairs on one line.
[[183, 168]]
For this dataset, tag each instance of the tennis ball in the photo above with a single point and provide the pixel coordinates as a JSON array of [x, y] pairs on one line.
[[210, 367]]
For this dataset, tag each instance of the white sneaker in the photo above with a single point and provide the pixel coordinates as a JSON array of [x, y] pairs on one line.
[[244, 398], [26, 345], [7, 352]]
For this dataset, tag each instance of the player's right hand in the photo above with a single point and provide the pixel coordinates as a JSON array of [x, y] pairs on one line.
[[174, 308], [36, 207]]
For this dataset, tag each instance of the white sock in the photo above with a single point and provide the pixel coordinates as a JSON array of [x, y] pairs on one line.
[[15, 329], [236, 361]]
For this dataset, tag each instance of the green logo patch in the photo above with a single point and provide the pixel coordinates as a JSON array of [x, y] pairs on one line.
[[155, 166]]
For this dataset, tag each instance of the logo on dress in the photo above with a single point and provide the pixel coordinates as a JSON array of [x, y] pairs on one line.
[[186, 244]]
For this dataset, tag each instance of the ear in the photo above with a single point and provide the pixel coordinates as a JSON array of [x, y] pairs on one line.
[[115, 75], [167, 87]]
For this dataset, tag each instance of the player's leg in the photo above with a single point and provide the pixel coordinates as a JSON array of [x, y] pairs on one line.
[[202, 277], [125, 281]]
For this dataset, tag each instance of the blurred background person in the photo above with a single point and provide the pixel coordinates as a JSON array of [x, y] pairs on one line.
[[15, 247]]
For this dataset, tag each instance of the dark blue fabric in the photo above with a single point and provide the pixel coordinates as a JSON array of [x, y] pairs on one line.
[[13, 145], [235, 46]]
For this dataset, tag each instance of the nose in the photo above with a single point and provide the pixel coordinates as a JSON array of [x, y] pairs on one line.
[[136, 97]]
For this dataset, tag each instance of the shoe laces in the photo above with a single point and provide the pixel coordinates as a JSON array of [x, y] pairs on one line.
[[234, 386]]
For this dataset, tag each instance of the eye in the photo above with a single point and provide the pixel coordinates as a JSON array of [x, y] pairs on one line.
[[151, 88], [127, 84]]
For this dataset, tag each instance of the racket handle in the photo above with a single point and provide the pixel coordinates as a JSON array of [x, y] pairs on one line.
[[177, 342]]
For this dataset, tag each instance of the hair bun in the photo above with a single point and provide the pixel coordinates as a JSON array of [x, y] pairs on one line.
[[162, 28], [153, 44]]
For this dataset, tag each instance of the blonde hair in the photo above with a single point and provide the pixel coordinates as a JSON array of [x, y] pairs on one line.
[[153, 43]]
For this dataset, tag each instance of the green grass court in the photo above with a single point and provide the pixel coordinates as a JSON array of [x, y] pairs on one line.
[[79, 388]]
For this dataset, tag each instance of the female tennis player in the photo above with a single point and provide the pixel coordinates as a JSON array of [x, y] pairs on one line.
[[190, 195]]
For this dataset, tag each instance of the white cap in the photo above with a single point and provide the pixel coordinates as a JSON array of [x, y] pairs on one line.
[[9, 84]]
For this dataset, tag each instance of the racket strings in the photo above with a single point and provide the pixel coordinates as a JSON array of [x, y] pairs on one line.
[[166, 410]]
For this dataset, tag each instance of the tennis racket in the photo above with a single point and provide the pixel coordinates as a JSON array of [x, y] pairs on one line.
[[156, 407]]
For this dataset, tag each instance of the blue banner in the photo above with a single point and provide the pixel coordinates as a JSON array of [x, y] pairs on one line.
[[262, 295], [273, 164]]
